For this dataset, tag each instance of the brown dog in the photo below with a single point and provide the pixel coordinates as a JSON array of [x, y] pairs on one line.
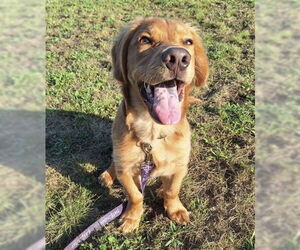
[[157, 61]]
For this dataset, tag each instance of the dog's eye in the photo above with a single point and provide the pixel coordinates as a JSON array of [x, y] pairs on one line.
[[188, 42], [145, 40]]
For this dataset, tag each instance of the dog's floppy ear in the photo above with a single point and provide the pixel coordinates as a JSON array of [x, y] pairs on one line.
[[120, 50], [201, 62]]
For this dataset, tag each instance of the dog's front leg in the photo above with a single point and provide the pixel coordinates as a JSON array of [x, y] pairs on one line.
[[108, 176], [171, 187], [132, 216]]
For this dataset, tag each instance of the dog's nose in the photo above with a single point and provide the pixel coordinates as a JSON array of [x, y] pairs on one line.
[[176, 59]]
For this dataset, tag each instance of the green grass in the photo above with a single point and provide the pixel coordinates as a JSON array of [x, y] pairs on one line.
[[22, 56], [277, 126], [82, 100], [21, 116], [20, 208]]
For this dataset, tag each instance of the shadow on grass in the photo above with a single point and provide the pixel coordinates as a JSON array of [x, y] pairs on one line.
[[79, 147], [22, 135], [75, 139]]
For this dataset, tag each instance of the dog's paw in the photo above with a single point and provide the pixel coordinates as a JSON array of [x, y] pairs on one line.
[[193, 100], [131, 218], [180, 216], [176, 211], [105, 179], [129, 225]]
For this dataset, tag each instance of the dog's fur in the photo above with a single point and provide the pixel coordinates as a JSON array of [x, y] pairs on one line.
[[134, 62]]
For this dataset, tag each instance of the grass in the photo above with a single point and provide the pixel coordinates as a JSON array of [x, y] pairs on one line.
[[22, 55], [82, 100], [277, 126], [20, 209], [21, 123]]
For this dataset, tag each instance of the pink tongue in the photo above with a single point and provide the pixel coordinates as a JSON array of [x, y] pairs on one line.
[[166, 104]]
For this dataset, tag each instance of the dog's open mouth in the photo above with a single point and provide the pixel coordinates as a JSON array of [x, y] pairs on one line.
[[163, 100]]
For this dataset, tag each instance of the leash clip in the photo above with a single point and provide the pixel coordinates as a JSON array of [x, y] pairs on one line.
[[146, 147]]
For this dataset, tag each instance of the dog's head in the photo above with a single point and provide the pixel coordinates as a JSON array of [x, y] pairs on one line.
[[159, 59]]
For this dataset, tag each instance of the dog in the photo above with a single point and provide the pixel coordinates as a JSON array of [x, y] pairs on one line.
[[157, 61]]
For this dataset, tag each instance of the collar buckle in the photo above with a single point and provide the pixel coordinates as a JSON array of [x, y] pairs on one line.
[[146, 147]]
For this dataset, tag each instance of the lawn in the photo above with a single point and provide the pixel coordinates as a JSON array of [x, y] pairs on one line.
[[277, 125], [82, 100], [21, 123]]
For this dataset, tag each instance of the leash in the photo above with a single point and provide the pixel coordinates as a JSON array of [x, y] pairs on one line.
[[146, 168]]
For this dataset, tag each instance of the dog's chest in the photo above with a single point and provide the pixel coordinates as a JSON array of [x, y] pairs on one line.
[[169, 150], [148, 131]]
